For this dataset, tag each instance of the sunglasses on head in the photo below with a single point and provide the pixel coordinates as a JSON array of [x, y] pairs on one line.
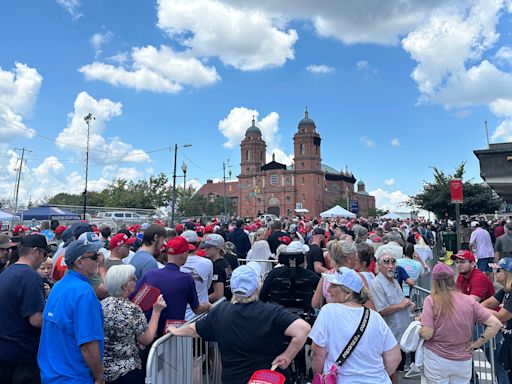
[[389, 261], [93, 257]]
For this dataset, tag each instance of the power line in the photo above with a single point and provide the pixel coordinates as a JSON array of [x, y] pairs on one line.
[[33, 131]]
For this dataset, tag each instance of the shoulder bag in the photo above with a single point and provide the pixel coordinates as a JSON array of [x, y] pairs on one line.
[[330, 377]]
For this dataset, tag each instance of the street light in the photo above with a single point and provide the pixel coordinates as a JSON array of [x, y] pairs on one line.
[[174, 179], [87, 120], [184, 169]]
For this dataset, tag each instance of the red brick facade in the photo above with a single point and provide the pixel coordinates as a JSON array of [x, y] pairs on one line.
[[276, 188]]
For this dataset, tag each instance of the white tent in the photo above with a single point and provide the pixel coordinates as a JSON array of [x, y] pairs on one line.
[[337, 211], [4, 216], [392, 216]]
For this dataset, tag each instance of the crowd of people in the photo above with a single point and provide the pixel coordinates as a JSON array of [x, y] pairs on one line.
[[72, 314]]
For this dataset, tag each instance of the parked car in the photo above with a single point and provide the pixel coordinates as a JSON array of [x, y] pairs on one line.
[[123, 217], [268, 217]]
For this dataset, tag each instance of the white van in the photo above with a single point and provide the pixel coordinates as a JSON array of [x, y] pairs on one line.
[[123, 216]]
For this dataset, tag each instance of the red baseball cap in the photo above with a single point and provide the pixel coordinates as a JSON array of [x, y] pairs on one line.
[[60, 229], [463, 255], [208, 229], [130, 240], [179, 227], [117, 240], [176, 246], [19, 228]]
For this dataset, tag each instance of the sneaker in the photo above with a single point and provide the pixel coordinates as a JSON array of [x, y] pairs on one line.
[[412, 372]]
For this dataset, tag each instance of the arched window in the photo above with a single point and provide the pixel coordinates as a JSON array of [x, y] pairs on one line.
[[247, 155], [302, 149]]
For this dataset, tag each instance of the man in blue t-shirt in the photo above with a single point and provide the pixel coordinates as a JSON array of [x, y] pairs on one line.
[[152, 241], [71, 347], [22, 302]]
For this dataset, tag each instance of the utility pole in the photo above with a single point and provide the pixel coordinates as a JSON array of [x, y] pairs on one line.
[[87, 120], [225, 198], [18, 177]]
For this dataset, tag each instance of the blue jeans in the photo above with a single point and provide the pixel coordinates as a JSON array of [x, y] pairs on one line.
[[483, 264]]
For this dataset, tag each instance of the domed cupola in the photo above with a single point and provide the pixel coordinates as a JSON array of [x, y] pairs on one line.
[[253, 129], [306, 121]]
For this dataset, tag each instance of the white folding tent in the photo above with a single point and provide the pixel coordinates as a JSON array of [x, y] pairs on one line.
[[4, 216], [337, 211]]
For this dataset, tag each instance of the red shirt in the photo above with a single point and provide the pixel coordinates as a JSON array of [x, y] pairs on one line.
[[498, 231], [477, 284]]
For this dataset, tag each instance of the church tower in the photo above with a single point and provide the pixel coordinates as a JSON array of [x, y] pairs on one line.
[[307, 146], [308, 173], [253, 152]]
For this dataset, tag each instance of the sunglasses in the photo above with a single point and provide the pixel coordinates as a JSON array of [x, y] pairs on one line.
[[93, 257], [389, 261]]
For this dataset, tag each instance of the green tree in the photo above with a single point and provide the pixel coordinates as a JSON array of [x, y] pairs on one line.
[[435, 197], [377, 212]]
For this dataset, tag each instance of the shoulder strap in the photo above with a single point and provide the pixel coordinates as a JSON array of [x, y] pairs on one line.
[[355, 339]]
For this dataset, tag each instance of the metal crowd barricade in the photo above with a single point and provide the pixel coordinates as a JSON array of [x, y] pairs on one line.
[[484, 359], [417, 295], [184, 360], [265, 265]]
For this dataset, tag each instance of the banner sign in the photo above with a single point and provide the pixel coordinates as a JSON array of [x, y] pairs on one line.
[[456, 191]]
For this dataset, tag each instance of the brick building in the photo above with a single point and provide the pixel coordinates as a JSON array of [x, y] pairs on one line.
[[283, 190]]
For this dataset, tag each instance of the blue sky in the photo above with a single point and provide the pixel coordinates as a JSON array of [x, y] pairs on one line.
[[394, 87]]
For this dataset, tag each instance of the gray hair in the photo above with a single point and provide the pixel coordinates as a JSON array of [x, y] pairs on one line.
[[393, 236], [340, 251], [116, 276]]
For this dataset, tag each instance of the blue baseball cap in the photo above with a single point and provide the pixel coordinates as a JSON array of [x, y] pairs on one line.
[[504, 263], [79, 247], [346, 277]]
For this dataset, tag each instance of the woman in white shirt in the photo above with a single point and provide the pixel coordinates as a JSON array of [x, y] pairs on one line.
[[376, 355]]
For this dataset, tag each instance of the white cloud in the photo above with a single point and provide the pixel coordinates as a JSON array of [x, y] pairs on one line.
[[113, 171], [72, 7], [157, 70], [462, 113], [99, 39], [389, 181], [362, 65], [234, 126], [50, 167], [242, 37], [504, 55], [503, 132], [103, 151], [501, 107], [390, 200], [395, 142], [19, 89], [194, 183], [479, 85], [119, 58], [368, 142], [449, 38], [319, 69]]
